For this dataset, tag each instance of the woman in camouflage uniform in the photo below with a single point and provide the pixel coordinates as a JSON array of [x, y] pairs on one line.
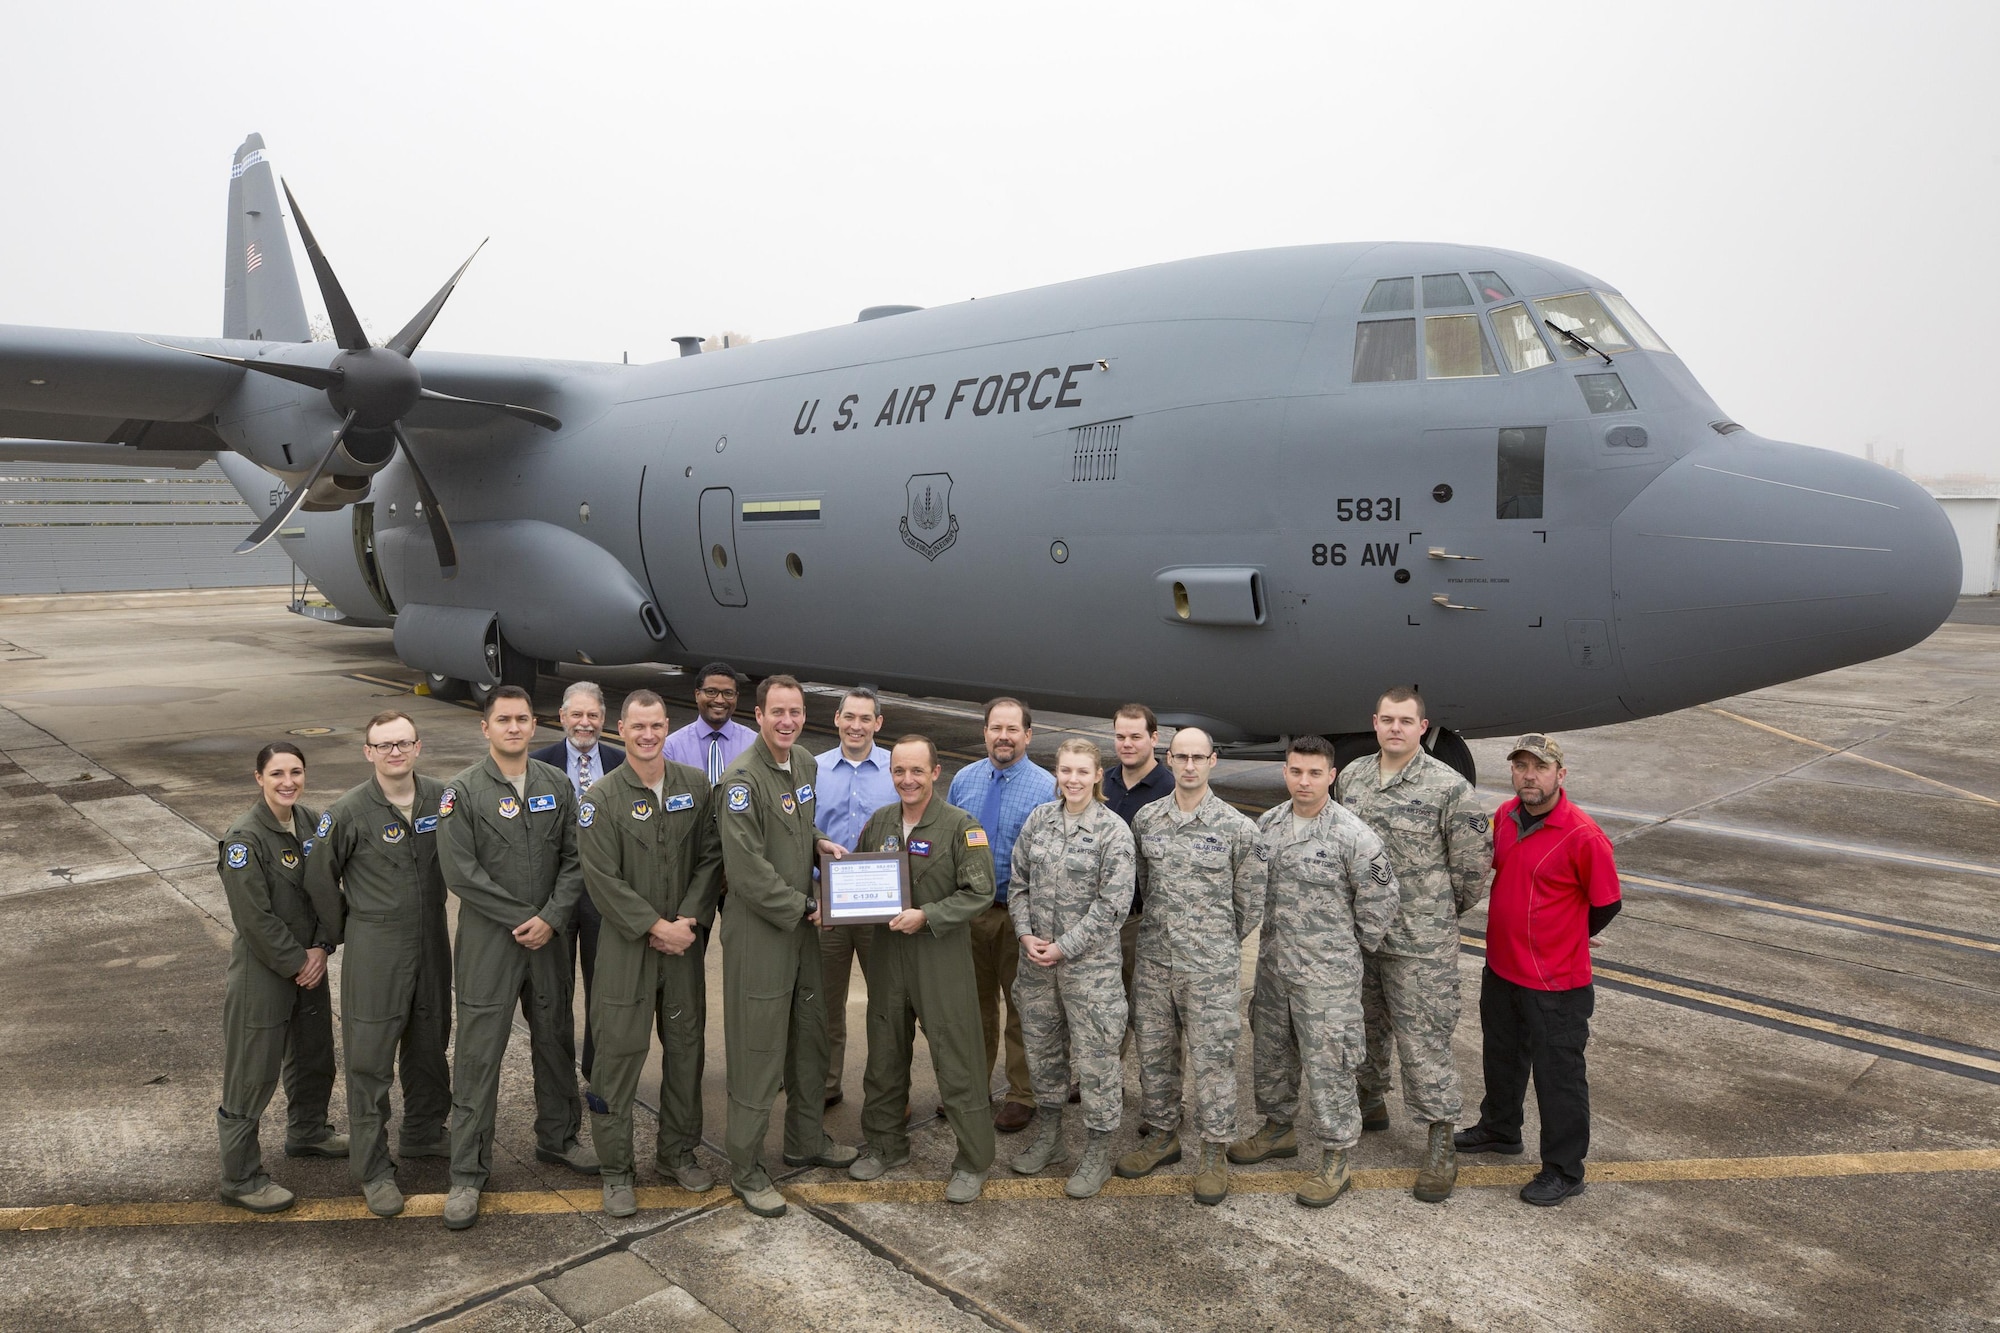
[[1072, 886]]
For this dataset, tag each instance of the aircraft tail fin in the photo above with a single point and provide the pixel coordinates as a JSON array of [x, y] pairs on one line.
[[260, 287]]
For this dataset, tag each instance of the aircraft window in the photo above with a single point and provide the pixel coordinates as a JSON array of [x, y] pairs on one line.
[[1444, 290], [1454, 348], [1491, 286], [1390, 294], [1385, 349], [1581, 314], [1520, 490], [1642, 332], [1520, 342], [1605, 392]]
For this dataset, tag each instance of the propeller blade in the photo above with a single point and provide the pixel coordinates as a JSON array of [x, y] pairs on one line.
[[289, 505], [315, 377], [414, 331], [346, 326], [527, 414], [447, 549]]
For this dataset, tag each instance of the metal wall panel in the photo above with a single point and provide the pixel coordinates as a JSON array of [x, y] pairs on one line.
[[115, 529]]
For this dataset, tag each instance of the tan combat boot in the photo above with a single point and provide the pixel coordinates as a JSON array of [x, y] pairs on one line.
[[1047, 1148], [1157, 1148], [1439, 1172], [1211, 1179], [1275, 1139], [1328, 1183]]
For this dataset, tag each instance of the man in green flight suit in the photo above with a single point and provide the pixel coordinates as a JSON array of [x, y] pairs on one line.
[[920, 968], [773, 1008], [374, 868], [652, 863], [508, 845]]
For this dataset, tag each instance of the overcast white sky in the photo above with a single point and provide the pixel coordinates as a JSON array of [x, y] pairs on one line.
[[1800, 197]]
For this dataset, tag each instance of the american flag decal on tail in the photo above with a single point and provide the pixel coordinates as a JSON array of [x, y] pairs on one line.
[[252, 259]]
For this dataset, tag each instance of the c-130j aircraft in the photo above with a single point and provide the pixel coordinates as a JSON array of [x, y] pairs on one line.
[[1252, 489]]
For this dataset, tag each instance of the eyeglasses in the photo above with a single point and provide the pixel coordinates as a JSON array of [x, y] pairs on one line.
[[707, 693], [391, 747], [1187, 758]]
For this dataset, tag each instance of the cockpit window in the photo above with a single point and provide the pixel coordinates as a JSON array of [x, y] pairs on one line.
[[1390, 294], [1520, 342], [1492, 287], [1454, 348], [1605, 392], [1444, 290], [1385, 349], [1642, 332], [1581, 314]]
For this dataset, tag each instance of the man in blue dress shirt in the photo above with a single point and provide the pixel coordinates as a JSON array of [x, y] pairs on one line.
[[853, 784], [999, 791], [586, 759], [712, 741]]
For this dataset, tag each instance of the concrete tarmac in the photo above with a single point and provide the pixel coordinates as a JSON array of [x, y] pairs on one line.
[[1795, 1061]]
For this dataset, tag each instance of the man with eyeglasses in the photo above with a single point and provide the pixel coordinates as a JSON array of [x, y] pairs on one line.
[[373, 860], [1440, 843], [1197, 857], [714, 740], [586, 758]]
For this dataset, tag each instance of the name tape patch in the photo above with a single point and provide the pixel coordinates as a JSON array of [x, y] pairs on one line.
[[679, 801], [538, 804], [919, 847], [427, 824]]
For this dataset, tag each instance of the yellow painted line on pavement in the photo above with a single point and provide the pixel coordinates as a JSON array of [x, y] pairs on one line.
[[1850, 754], [524, 1203], [1815, 913]]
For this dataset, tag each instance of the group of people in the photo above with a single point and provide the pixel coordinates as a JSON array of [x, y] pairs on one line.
[[1055, 918]]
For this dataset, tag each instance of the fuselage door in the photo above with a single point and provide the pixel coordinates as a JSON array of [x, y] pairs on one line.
[[718, 545]]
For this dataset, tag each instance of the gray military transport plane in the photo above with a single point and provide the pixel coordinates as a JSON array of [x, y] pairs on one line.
[[1251, 489]]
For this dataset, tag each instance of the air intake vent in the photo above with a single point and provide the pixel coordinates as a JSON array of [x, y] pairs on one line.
[[1096, 456]]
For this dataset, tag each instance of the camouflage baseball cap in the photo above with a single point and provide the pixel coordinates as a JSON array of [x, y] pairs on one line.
[[1545, 748]]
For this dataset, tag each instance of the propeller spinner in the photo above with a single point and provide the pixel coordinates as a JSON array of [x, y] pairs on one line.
[[372, 388]]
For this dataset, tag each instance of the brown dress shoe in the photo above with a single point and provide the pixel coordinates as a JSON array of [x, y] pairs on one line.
[[1012, 1117]]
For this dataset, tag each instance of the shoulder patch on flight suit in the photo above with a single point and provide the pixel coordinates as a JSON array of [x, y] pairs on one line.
[[428, 824], [509, 807], [586, 815], [290, 858], [919, 847], [805, 793], [679, 801], [538, 804], [739, 797], [447, 801], [788, 801], [642, 809], [325, 824], [238, 856], [392, 833], [975, 837]]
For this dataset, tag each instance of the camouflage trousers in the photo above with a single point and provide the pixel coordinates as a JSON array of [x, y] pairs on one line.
[[1166, 1003], [1313, 1031], [1412, 1003], [1072, 1019]]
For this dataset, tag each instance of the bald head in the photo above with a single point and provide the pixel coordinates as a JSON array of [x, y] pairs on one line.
[[1191, 758]]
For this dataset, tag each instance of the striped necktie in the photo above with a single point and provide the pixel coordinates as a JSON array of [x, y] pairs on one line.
[[714, 758]]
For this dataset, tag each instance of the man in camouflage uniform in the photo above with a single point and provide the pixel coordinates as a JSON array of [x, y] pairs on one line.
[[1073, 868], [773, 1011], [1198, 864], [1441, 845], [1330, 897], [652, 864]]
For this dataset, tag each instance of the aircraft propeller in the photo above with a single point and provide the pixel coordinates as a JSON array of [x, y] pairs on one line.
[[372, 388]]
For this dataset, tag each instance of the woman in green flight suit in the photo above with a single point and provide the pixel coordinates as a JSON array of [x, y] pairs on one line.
[[277, 1017]]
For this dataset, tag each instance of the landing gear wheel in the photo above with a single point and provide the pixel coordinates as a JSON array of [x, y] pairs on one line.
[[513, 666], [448, 688], [1441, 743]]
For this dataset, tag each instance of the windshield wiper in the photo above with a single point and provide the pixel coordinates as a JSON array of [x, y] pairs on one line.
[[1579, 340]]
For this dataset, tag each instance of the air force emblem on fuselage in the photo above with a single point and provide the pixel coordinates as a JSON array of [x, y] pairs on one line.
[[929, 526]]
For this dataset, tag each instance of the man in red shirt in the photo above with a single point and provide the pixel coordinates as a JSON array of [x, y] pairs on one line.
[[1554, 886]]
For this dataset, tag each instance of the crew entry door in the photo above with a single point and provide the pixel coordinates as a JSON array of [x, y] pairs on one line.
[[718, 545]]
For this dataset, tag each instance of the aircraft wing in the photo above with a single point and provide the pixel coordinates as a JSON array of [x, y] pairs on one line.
[[105, 389], [67, 453]]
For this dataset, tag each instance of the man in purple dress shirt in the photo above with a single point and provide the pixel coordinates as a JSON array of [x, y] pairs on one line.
[[712, 741]]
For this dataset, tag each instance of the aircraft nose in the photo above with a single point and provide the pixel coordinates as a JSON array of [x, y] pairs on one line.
[[1750, 562]]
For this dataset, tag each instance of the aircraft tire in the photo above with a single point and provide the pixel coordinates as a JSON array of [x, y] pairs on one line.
[[1443, 744], [516, 668], [448, 688]]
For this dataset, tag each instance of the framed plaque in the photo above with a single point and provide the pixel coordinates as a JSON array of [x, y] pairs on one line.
[[862, 888]]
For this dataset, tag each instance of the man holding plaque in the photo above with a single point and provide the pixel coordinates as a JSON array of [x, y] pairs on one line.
[[919, 968], [652, 863], [773, 1008]]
